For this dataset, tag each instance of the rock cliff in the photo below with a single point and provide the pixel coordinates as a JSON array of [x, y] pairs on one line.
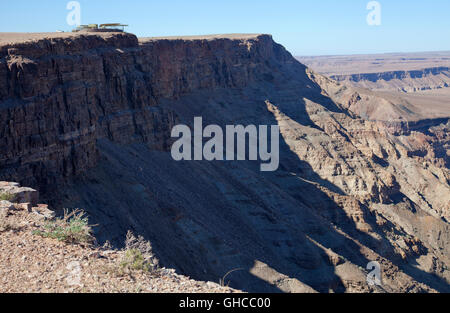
[[59, 95], [92, 114]]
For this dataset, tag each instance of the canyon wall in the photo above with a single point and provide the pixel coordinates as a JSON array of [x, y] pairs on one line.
[[59, 95], [404, 81], [87, 120]]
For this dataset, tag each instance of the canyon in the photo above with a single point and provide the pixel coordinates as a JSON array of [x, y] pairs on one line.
[[363, 175], [415, 85], [404, 81]]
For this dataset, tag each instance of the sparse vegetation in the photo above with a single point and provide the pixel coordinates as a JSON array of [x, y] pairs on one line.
[[5, 196], [137, 256], [59, 268], [222, 281], [73, 227], [133, 260]]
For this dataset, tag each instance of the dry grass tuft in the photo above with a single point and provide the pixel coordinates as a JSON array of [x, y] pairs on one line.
[[72, 228]]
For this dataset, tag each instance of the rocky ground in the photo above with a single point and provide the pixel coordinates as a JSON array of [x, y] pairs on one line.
[[31, 263]]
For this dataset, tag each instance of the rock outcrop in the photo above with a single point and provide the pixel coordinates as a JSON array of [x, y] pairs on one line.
[[22, 198], [59, 96], [18, 194]]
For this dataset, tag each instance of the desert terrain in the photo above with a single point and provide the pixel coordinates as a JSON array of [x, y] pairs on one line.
[[333, 65], [417, 84]]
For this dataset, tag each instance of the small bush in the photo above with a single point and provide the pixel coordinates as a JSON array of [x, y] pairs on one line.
[[137, 256], [71, 228], [133, 260], [6, 196]]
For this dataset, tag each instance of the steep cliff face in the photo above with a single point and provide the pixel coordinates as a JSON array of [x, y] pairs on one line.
[[59, 95], [95, 114]]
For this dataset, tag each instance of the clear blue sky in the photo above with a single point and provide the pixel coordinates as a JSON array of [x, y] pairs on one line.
[[303, 27]]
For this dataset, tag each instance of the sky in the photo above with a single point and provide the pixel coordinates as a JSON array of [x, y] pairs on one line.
[[304, 27]]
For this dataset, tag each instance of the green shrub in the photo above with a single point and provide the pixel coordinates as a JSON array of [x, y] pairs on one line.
[[133, 260], [71, 228], [6, 196], [137, 256]]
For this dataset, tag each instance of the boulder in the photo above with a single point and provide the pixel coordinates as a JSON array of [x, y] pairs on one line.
[[43, 211], [19, 194], [5, 207]]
